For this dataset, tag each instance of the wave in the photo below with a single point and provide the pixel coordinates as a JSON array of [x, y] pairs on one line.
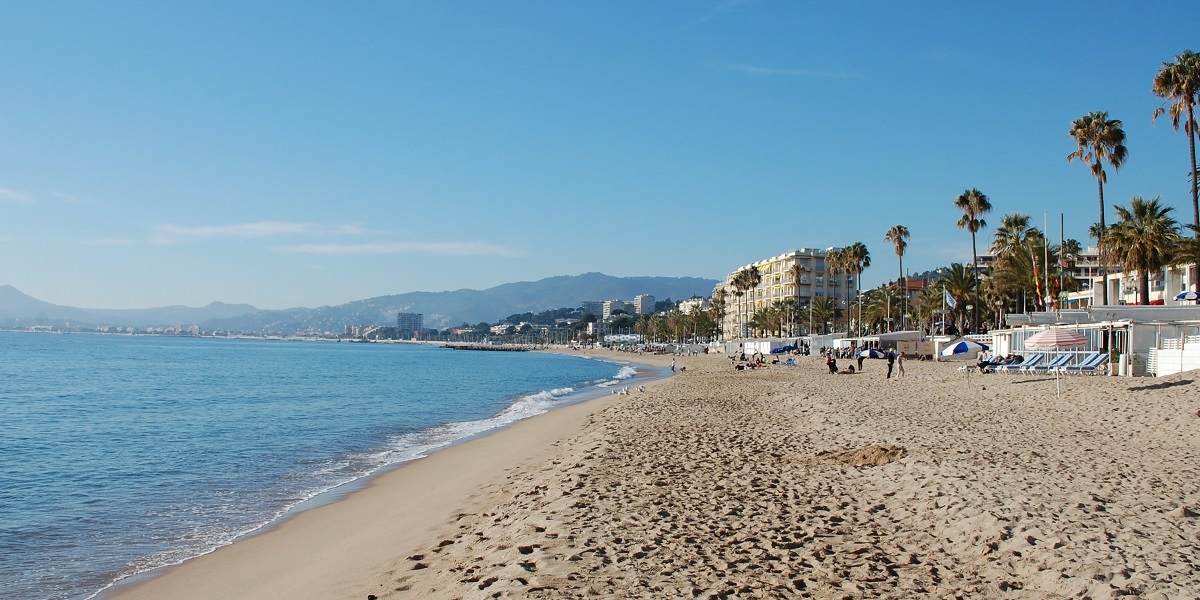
[[344, 472]]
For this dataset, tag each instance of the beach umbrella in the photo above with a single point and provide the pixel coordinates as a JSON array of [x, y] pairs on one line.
[[872, 353], [1187, 296], [963, 350], [1056, 339]]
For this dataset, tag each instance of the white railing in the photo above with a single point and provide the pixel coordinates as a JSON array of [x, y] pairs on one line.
[[1173, 343], [1169, 361]]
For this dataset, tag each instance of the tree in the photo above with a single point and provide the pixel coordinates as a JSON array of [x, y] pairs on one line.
[[821, 311], [743, 281], [1179, 83], [880, 305], [898, 236], [796, 271], [859, 259], [1100, 140], [961, 284], [973, 204], [836, 263], [1011, 244], [1143, 238], [718, 306]]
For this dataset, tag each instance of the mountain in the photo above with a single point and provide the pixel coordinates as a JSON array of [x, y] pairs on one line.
[[19, 309], [441, 309], [445, 309]]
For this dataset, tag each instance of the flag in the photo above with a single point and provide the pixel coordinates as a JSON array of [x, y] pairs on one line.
[[950, 301]]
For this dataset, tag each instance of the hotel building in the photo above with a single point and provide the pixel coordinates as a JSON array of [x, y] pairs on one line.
[[778, 284]]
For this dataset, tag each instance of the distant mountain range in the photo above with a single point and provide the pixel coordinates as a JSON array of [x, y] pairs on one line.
[[441, 309]]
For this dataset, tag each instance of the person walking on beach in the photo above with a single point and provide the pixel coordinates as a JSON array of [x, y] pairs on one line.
[[900, 364], [891, 358], [672, 365]]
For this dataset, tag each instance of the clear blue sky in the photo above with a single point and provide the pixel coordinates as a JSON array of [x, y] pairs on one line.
[[301, 154]]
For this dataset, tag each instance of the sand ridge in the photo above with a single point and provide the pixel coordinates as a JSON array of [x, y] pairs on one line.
[[790, 482]]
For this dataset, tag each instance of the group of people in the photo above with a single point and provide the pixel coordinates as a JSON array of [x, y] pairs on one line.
[[741, 363], [893, 360], [987, 363]]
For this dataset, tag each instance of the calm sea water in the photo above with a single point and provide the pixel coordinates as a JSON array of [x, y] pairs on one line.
[[121, 454]]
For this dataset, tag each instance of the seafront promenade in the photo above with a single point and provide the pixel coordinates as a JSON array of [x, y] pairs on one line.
[[777, 482]]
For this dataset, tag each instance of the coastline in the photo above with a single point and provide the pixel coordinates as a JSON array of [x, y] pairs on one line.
[[303, 554], [776, 482]]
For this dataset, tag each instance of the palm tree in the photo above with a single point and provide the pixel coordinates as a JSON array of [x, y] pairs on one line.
[[835, 264], [1011, 243], [961, 284], [796, 270], [821, 310], [1179, 82], [744, 281], [859, 259], [881, 304], [1144, 237], [1068, 254], [974, 204], [929, 302], [898, 236], [1100, 140], [718, 307]]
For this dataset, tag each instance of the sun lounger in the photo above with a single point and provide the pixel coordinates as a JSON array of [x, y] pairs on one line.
[[1029, 361], [1059, 361], [1096, 363]]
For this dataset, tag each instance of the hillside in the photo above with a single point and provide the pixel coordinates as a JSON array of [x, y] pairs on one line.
[[445, 309], [441, 309]]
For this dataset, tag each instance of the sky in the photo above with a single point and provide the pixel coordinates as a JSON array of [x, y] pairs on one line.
[[287, 154]]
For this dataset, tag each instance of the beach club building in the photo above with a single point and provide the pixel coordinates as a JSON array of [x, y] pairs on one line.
[[778, 283]]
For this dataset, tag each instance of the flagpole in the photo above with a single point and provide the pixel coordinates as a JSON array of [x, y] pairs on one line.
[[943, 313]]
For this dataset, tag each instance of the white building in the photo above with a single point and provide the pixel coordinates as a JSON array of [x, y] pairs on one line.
[[778, 283], [691, 305], [611, 306], [643, 304]]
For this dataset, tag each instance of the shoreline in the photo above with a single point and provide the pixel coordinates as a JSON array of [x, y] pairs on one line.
[[144, 584], [776, 482]]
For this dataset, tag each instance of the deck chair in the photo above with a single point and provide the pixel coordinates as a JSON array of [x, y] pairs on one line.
[[1097, 363], [1029, 361], [1059, 361]]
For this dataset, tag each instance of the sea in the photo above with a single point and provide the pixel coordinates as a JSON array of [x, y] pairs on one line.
[[120, 455]]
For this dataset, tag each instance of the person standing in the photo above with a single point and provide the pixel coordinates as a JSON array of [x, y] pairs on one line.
[[672, 365], [891, 358]]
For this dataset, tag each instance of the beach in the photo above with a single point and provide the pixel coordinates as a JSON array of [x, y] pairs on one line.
[[777, 482]]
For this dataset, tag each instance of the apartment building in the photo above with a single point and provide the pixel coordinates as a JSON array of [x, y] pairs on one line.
[[643, 304], [778, 283]]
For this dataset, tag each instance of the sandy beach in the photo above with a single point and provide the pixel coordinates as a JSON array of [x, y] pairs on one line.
[[777, 482]]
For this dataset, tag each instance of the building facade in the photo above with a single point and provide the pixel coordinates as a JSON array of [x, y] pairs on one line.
[[815, 282], [412, 322], [611, 306], [596, 307], [691, 305], [643, 304]]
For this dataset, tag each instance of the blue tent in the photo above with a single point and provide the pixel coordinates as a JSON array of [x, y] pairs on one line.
[[782, 349]]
